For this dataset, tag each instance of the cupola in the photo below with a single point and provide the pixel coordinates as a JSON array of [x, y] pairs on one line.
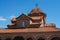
[[37, 12]]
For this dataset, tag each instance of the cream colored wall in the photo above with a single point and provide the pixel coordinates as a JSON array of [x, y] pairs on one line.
[[36, 18]]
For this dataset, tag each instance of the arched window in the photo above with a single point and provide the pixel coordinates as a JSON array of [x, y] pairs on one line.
[[23, 24], [8, 39], [29, 39], [56, 38], [41, 38], [18, 38]]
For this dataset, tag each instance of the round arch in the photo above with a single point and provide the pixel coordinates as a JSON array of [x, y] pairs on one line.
[[0, 38], [55, 38], [19, 38], [41, 38], [29, 39], [8, 39]]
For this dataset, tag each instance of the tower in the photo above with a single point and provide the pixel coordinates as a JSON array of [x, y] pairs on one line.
[[38, 16]]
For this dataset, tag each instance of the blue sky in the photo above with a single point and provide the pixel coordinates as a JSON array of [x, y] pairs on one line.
[[14, 8]]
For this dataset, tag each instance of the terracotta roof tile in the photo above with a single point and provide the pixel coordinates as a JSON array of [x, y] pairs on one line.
[[45, 29], [36, 10], [14, 20], [11, 24]]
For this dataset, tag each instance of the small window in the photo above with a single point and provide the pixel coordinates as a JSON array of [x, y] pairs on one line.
[[23, 24]]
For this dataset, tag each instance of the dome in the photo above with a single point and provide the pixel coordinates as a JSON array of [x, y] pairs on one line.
[[13, 20], [36, 10]]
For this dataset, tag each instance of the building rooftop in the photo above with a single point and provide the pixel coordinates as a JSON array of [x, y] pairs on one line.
[[36, 10], [44, 29], [27, 23]]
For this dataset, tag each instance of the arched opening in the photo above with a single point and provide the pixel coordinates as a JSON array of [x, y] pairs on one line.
[[41, 38], [8, 39], [29, 39], [56, 38], [0, 38], [18, 38]]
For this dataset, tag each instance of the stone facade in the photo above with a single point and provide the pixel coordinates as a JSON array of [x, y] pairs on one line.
[[32, 36]]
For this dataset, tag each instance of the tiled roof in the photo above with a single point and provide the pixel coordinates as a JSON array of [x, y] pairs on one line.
[[36, 10], [44, 29]]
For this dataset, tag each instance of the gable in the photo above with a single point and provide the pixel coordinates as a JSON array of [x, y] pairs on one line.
[[23, 17]]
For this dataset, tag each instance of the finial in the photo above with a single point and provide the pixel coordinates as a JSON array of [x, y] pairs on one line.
[[36, 4]]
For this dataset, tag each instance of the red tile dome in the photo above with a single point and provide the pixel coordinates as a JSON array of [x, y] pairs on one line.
[[36, 10]]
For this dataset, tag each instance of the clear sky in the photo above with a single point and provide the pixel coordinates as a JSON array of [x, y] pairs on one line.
[[14, 8]]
